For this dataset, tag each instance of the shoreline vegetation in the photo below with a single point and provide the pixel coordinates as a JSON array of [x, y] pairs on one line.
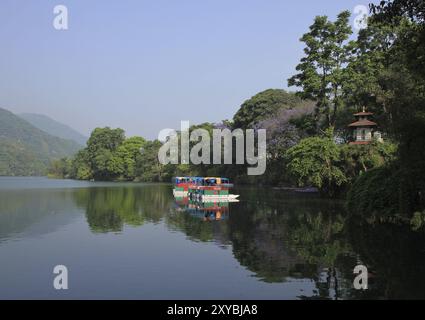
[[308, 139]]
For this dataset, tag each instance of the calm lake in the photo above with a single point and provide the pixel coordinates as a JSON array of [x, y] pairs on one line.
[[135, 241]]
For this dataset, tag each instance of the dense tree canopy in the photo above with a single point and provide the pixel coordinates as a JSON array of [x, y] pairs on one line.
[[264, 105], [109, 155], [390, 77], [322, 75], [315, 162]]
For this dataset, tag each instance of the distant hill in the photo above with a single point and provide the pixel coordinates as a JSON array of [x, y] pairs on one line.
[[27, 150], [54, 127]]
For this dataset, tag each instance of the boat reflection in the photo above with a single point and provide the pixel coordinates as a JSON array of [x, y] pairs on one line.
[[206, 211]]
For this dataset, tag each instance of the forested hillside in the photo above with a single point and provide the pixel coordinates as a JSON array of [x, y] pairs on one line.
[[54, 127], [26, 150]]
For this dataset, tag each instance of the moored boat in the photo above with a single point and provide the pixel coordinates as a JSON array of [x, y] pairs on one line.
[[181, 183], [204, 189]]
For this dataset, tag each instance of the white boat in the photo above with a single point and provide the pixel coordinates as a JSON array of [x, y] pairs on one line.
[[220, 198]]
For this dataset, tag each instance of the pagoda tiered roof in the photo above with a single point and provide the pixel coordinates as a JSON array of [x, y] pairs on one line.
[[363, 123], [363, 114]]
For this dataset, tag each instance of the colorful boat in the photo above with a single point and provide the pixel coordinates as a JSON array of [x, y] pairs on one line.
[[181, 186], [204, 189], [181, 183]]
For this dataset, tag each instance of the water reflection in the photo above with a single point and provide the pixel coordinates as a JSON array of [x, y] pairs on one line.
[[206, 211], [200, 221], [34, 212], [109, 209], [278, 237], [396, 254]]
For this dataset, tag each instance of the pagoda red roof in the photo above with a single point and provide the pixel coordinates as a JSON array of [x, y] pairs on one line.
[[360, 114], [363, 123]]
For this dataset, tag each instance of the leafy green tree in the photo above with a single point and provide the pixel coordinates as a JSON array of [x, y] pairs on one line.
[[148, 167], [102, 147], [315, 162], [109, 156], [371, 80], [359, 159], [80, 168], [129, 153], [390, 10], [60, 168], [322, 73], [105, 138], [264, 105]]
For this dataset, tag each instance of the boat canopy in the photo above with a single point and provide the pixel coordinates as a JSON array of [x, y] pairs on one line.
[[179, 180], [201, 180]]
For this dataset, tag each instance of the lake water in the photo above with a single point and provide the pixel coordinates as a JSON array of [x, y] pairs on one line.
[[135, 241]]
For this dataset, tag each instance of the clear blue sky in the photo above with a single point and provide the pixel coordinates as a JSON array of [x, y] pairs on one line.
[[146, 65]]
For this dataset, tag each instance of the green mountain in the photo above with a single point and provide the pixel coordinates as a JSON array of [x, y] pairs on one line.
[[54, 127], [27, 150]]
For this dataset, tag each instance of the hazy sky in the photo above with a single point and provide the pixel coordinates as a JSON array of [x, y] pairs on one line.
[[145, 65]]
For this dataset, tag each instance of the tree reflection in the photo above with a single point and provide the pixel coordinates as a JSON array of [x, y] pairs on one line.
[[19, 211], [395, 253], [279, 237], [258, 234], [319, 239], [109, 209]]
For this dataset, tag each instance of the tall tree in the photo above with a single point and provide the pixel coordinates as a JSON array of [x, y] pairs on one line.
[[322, 71], [130, 153], [372, 81], [101, 151], [391, 10]]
